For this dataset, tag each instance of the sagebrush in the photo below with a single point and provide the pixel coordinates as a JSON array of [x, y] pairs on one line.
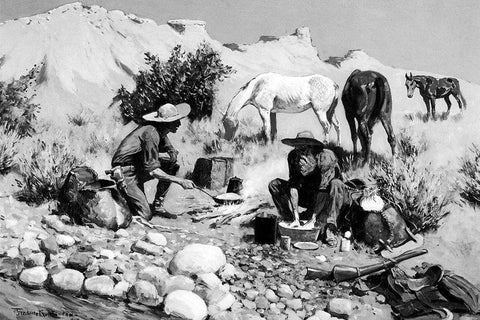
[[470, 176], [43, 167], [416, 190], [185, 77], [8, 149]]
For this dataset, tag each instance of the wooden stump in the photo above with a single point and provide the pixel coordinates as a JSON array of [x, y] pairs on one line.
[[213, 173]]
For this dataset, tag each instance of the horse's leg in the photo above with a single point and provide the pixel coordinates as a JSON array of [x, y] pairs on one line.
[[336, 125], [273, 124], [365, 139], [387, 124], [322, 118], [353, 131], [432, 102], [449, 104], [460, 104], [264, 114], [427, 103]]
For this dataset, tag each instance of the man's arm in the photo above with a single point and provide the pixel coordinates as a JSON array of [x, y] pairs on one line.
[[294, 204], [163, 176]]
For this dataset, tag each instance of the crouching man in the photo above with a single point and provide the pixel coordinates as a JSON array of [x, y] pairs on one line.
[[315, 183], [138, 158]]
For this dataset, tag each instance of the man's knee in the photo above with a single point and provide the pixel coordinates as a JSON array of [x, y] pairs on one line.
[[275, 186], [336, 186]]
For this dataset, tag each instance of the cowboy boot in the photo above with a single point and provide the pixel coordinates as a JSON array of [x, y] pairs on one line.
[[158, 209]]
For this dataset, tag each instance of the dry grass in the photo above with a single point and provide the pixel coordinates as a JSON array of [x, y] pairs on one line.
[[8, 149], [470, 176]]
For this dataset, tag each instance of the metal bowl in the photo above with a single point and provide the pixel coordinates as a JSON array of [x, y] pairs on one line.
[[299, 235]]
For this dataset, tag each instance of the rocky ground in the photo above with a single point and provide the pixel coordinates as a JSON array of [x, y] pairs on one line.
[[182, 269]]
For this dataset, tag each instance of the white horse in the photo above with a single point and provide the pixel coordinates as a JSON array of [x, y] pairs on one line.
[[272, 93]]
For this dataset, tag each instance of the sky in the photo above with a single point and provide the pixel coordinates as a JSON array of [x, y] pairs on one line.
[[439, 36]]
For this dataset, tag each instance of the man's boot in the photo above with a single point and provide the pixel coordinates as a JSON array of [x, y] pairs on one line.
[[158, 209]]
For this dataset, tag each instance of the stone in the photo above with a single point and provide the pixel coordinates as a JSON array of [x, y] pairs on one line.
[[197, 259], [210, 280], [294, 304], [340, 307], [185, 305], [147, 248], [313, 318], [53, 221], [292, 315], [285, 291], [322, 315], [179, 283], [34, 260], [49, 245], [157, 276], [251, 294], [145, 293], [121, 233], [34, 277], [156, 238], [28, 246], [262, 302], [80, 260], [67, 280], [13, 252], [305, 295], [107, 254], [227, 272], [380, 298], [249, 304], [108, 267], [99, 285], [121, 288], [271, 296], [131, 276], [222, 304], [64, 241]]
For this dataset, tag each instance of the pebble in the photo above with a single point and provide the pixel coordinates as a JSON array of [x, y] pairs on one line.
[[99, 285], [156, 238], [34, 277], [144, 292], [321, 258], [65, 241], [80, 261], [28, 246], [380, 298], [121, 233], [13, 252], [305, 295], [34, 259], [121, 288], [292, 315], [262, 302], [322, 315], [271, 296], [108, 267], [67, 280], [295, 304], [210, 280], [249, 304], [340, 307], [49, 245], [251, 294], [147, 248], [285, 291], [107, 254]]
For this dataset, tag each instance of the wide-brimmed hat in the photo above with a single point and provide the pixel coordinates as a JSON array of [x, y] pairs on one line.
[[168, 113], [304, 138]]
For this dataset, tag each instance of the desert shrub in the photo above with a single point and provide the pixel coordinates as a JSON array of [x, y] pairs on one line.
[[17, 113], [81, 118], [470, 176], [185, 77], [418, 192], [44, 166], [8, 149]]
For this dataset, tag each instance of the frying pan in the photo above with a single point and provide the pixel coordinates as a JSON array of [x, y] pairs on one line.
[[226, 198]]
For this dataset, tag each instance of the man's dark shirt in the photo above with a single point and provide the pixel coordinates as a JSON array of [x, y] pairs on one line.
[[141, 149], [309, 182]]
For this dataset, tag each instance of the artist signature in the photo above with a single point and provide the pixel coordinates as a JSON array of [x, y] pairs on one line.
[[44, 313]]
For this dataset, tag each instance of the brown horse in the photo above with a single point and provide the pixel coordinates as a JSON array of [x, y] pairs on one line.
[[432, 88], [367, 98]]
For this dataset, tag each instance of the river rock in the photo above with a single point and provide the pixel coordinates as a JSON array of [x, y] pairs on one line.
[[179, 283], [222, 304], [262, 302], [227, 272], [157, 276], [27, 246], [251, 294], [249, 304], [99, 285], [185, 305], [209, 280], [107, 254], [285, 291], [54, 222], [33, 277], [13, 252], [322, 315], [121, 288], [147, 248], [35, 259], [295, 304], [271, 296], [64, 241], [197, 259], [80, 260], [67, 280], [156, 238], [340, 307], [108, 267], [144, 292], [49, 245], [121, 233]]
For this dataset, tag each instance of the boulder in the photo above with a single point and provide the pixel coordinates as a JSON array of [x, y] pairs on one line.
[[147, 248], [67, 280], [156, 239], [340, 307], [185, 305], [197, 259], [99, 285], [33, 277], [144, 292], [179, 283], [157, 276]]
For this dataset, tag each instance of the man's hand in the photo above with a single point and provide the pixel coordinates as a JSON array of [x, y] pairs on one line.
[[294, 224], [186, 184]]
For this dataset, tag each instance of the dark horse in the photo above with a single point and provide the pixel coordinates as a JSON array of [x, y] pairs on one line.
[[367, 98], [432, 88]]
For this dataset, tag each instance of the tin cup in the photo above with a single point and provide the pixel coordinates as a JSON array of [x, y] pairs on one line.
[[285, 242]]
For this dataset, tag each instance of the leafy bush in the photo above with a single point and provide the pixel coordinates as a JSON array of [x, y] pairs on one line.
[[43, 168], [185, 77], [8, 149], [470, 176], [419, 193], [16, 111]]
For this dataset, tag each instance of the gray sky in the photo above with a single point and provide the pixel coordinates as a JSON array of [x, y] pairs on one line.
[[440, 36]]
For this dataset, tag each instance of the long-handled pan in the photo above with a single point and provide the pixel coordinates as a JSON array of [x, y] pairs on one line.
[[225, 198]]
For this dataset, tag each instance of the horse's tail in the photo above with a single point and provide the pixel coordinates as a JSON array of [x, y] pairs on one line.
[[240, 98]]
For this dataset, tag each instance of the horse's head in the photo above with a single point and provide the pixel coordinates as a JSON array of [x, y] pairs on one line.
[[231, 126], [410, 84]]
